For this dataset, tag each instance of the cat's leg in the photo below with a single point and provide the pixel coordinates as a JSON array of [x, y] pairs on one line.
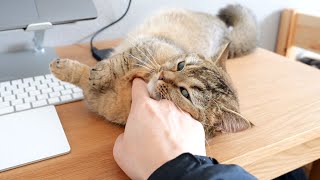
[[71, 71]]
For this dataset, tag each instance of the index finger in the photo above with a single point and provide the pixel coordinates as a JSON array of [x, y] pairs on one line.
[[139, 90]]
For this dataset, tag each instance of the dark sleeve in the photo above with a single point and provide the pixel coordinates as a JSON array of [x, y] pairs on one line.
[[187, 166]]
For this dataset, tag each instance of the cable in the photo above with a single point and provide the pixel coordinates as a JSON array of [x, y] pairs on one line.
[[100, 54]]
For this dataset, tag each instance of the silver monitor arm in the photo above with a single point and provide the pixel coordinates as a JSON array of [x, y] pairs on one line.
[[28, 63], [39, 30]]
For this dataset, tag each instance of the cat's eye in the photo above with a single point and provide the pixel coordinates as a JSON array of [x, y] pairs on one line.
[[184, 93], [180, 65]]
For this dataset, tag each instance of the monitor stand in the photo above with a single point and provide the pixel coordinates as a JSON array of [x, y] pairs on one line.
[[28, 63]]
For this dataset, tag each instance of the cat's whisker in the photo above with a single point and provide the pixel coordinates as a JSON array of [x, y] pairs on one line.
[[147, 49], [129, 36], [217, 104], [144, 66], [140, 60], [144, 63]]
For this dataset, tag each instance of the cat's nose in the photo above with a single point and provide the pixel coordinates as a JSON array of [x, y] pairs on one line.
[[161, 76]]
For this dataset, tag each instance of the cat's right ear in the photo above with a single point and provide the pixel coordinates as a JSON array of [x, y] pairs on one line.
[[220, 60]]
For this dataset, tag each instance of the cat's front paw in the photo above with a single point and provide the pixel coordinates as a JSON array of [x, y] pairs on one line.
[[61, 68], [100, 76]]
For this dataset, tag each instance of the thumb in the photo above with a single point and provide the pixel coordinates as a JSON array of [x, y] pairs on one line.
[[117, 149], [139, 91]]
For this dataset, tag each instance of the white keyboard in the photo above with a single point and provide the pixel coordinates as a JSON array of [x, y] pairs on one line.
[[34, 92]]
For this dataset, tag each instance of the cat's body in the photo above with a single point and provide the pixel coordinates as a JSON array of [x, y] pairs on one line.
[[181, 55]]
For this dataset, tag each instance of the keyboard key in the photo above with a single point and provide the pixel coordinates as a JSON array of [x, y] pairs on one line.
[[38, 78], [42, 96], [37, 83], [15, 82], [58, 88], [39, 103], [54, 94], [16, 102], [32, 88], [64, 83], [12, 87], [5, 84], [27, 80], [22, 95], [65, 92], [69, 86], [54, 84], [66, 98], [9, 98], [46, 81], [4, 104], [34, 93], [77, 95], [24, 85], [49, 76], [54, 100], [42, 86], [6, 110], [6, 93], [46, 91], [18, 91], [2, 89], [32, 84], [76, 89], [30, 99], [24, 106]]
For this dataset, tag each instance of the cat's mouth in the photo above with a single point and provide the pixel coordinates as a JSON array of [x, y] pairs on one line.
[[152, 89]]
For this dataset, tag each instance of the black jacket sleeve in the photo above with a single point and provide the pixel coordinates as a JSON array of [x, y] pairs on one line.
[[187, 166]]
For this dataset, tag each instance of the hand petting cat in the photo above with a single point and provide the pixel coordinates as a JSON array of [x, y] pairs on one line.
[[155, 133]]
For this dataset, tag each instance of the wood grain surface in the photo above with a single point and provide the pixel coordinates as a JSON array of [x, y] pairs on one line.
[[280, 97]]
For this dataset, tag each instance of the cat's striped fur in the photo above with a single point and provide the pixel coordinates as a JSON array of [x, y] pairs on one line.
[[181, 54]]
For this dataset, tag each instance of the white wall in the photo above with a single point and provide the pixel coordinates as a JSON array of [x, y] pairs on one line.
[[267, 12]]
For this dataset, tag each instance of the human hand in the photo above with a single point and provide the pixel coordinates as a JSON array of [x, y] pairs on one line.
[[156, 132]]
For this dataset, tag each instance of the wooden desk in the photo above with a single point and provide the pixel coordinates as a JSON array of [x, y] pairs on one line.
[[279, 96]]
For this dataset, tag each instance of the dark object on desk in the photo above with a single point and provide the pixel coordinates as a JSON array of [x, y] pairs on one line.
[[101, 54], [104, 53], [310, 61]]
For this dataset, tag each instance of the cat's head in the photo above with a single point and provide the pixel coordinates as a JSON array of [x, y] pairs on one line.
[[202, 88]]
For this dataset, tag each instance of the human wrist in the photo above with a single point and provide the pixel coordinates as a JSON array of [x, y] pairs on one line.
[[161, 159]]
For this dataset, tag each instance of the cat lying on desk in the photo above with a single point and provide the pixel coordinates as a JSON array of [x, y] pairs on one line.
[[181, 55]]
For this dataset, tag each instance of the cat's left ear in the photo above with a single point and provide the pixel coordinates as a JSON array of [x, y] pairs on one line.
[[220, 60], [232, 122]]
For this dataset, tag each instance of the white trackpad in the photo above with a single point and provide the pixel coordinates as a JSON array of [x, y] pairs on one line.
[[31, 136]]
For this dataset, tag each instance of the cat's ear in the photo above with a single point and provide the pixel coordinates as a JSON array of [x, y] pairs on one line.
[[220, 60], [232, 121]]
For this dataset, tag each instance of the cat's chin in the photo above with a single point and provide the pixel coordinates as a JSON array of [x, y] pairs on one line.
[[155, 96]]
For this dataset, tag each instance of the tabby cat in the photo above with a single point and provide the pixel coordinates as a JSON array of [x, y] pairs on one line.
[[181, 54]]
